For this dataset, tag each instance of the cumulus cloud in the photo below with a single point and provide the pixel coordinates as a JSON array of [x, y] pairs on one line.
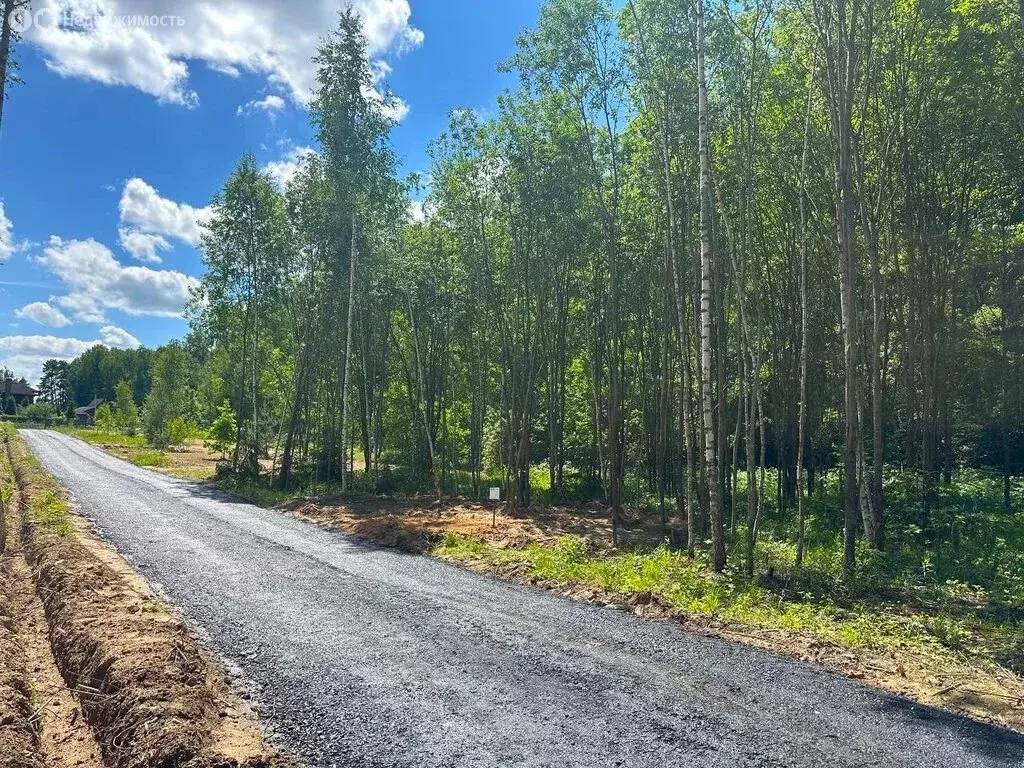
[[273, 38], [143, 245], [143, 209], [148, 219], [281, 171], [42, 313], [6, 235], [113, 336], [271, 104], [25, 355], [96, 282]]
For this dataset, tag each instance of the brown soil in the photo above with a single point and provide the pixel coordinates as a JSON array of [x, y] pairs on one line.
[[19, 734], [191, 462], [415, 524], [147, 692]]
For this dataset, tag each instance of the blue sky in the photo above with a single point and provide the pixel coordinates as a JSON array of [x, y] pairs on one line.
[[124, 130]]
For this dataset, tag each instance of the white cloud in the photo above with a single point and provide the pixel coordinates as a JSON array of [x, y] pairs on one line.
[[144, 210], [6, 235], [143, 245], [96, 281], [274, 38], [281, 171], [224, 69], [25, 355], [415, 211], [271, 104], [118, 337], [42, 313]]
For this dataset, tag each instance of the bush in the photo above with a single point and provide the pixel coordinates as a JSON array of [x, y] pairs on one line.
[[179, 431], [44, 411], [221, 435]]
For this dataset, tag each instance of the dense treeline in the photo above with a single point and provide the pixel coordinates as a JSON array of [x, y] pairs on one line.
[[700, 257]]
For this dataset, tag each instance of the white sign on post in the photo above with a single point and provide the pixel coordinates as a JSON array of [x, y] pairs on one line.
[[494, 494]]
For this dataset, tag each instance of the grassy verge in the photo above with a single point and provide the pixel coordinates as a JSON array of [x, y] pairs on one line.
[[952, 657], [99, 437], [851, 619], [150, 458], [189, 462], [47, 509]]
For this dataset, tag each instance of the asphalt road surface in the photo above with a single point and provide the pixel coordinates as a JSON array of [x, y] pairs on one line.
[[361, 656]]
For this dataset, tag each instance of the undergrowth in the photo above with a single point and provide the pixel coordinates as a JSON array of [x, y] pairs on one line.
[[101, 437], [149, 458], [853, 618]]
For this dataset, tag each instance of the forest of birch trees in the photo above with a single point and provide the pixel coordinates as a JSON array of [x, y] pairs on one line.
[[703, 261]]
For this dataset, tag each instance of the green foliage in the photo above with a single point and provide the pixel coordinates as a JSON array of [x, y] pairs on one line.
[[150, 459], [42, 411], [221, 435], [55, 385], [169, 395], [96, 372], [180, 431], [126, 413], [104, 418]]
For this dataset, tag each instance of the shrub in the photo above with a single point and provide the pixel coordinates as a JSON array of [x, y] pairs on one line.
[[43, 411], [179, 431], [221, 435]]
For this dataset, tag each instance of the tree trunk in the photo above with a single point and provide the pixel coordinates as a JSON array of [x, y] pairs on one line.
[[348, 347], [706, 264], [804, 247], [6, 34]]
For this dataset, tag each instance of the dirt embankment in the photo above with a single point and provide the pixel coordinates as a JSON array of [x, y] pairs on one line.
[[417, 524], [149, 694], [19, 736]]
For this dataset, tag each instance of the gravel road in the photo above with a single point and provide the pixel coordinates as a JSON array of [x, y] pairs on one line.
[[360, 656]]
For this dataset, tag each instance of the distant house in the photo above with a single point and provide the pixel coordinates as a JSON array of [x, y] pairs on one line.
[[87, 413], [22, 393]]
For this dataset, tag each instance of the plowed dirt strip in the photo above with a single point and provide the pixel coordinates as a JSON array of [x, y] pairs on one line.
[[19, 738], [63, 737], [148, 693]]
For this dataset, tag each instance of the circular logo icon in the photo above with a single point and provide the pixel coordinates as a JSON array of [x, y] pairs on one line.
[[20, 20]]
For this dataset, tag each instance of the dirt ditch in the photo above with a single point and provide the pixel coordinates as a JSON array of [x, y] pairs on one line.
[[128, 685], [19, 734]]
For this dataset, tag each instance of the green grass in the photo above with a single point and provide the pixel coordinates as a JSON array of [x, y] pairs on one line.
[[51, 513], [150, 458], [851, 620], [47, 507], [99, 437], [257, 493]]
